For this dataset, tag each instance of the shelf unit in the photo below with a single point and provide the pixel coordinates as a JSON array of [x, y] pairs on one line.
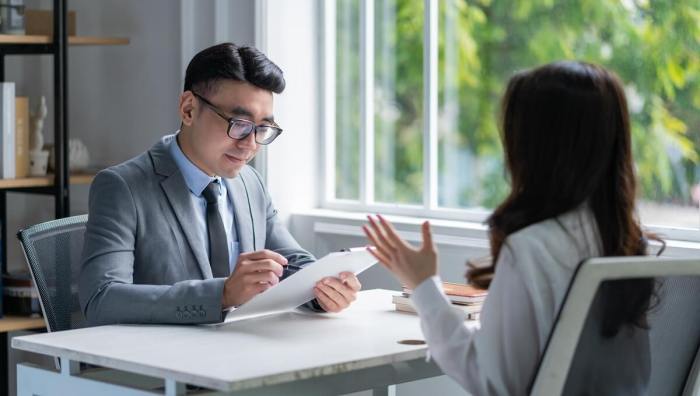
[[57, 184], [43, 181], [17, 323], [72, 40]]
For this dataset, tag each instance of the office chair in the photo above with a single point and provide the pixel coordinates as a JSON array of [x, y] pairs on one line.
[[53, 252], [670, 352]]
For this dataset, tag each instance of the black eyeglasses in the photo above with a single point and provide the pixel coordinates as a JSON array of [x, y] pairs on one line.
[[239, 128]]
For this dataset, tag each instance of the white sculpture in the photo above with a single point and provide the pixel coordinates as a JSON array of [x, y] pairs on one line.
[[38, 158], [38, 118]]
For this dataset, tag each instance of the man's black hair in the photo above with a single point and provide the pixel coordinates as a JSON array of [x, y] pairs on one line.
[[227, 61]]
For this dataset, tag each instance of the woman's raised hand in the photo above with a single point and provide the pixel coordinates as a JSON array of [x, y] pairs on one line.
[[409, 264]]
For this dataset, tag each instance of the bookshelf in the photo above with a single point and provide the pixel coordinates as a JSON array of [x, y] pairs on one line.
[[18, 323], [54, 185], [72, 40], [44, 181]]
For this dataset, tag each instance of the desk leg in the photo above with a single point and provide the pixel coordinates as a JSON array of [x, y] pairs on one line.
[[174, 388], [69, 367], [4, 365], [384, 391]]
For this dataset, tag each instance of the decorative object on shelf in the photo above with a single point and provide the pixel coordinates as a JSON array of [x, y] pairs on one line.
[[38, 117], [38, 161], [78, 156], [40, 22], [38, 158], [12, 16]]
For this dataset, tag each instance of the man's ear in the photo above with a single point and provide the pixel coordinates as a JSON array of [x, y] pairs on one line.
[[187, 107]]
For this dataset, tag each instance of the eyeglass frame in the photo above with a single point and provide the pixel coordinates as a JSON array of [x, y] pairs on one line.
[[231, 120]]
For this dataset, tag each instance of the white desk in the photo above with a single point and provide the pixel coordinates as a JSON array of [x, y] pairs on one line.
[[294, 353]]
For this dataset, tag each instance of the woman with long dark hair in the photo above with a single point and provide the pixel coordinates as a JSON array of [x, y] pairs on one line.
[[566, 137]]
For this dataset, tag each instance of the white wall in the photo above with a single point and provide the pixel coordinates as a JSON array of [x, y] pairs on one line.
[[292, 160]]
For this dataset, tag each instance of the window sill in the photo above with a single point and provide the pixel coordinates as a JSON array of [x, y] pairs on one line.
[[466, 234]]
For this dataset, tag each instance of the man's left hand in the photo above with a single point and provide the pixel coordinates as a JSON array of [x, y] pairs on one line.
[[336, 294]]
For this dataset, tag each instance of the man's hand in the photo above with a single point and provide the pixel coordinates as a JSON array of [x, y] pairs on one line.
[[255, 272], [336, 294]]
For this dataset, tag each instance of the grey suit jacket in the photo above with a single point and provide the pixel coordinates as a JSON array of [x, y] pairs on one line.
[[144, 261]]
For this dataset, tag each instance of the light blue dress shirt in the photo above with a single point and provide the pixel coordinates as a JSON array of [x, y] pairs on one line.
[[196, 181]]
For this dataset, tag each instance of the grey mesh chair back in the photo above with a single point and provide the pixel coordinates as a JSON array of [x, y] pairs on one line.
[[53, 251], [675, 335], [661, 360]]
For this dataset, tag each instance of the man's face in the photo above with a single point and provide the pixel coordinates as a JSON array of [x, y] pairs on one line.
[[206, 142]]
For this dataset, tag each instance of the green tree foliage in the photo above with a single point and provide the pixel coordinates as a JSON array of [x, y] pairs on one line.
[[654, 46]]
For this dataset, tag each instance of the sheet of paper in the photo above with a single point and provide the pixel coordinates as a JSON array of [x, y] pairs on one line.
[[297, 289]]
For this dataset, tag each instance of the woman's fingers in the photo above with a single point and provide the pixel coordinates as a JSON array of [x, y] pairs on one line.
[[427, 237], [386, 261], [380, 235], [391, 233], [374, 241]]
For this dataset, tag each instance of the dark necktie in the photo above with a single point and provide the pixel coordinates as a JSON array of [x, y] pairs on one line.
[[218, 245]]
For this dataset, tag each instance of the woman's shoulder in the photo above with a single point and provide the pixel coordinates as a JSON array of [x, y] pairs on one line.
[[572, 235]]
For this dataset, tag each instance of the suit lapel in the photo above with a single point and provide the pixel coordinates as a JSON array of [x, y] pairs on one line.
[[241, 206], [177, 193]]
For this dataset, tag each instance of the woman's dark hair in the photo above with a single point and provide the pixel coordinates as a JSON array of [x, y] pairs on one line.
[[227, 61], [566, 137]]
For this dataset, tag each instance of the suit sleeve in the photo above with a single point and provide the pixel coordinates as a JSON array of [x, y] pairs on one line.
[[106, 289]]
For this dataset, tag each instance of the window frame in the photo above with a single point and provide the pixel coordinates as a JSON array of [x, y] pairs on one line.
[[366, 203]]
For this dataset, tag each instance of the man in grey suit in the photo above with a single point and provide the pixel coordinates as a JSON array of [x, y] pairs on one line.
[[187, 229]]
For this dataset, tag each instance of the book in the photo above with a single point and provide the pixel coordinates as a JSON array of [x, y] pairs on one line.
[[21, 137], [480, 262], [405, 300], [7, 130], [470, 313], [20, 296], [40, 22], [459, 293]]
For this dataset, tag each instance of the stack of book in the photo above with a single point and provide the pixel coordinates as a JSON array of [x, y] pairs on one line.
[[20, 296], [465, 298]]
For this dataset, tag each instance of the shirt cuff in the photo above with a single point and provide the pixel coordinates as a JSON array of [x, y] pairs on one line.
[[428, 297]]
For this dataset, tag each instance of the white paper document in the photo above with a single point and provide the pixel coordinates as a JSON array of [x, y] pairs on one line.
[[298, 288]]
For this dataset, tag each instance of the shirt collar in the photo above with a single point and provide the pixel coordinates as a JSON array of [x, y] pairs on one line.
[[195, 179]]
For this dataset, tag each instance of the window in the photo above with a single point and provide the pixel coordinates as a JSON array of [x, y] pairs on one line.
[[413, 90]]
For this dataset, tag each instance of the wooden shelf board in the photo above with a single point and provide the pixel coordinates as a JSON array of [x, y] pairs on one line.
[[43, 181], [72, 40], [16, 323]]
